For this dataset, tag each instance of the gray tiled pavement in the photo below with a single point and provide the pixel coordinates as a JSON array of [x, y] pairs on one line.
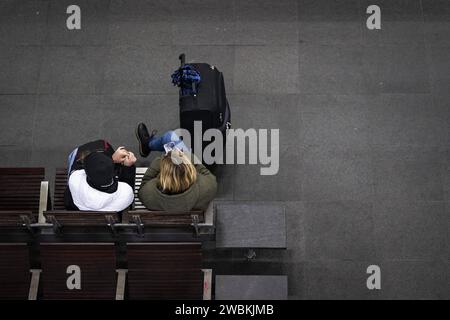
[[363, 118]]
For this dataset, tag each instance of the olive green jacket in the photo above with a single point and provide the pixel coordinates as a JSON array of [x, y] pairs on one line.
[[197, 196]]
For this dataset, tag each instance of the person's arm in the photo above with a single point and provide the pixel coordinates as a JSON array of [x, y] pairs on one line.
[[127, 174], [87, 148], [201, 169], [108, 148], [208, 186], [126, 169], [68, 200], [210, 179], [152, 172]]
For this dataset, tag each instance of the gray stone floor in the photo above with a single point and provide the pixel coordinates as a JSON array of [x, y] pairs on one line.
[[363, 118]]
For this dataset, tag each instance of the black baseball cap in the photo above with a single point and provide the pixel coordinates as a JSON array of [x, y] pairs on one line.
[[100, 172]]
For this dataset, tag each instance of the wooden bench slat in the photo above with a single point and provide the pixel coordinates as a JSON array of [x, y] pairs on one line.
[[60, 188], [81, 218], [162, 218]]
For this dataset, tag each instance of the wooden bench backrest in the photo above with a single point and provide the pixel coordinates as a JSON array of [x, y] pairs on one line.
[[97, 263], [14, 271], [60, 187], [165, 271], [163, 218], [81, 218], [20, 189]]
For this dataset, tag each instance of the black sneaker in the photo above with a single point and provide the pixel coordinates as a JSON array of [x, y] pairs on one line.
[[143, 137]]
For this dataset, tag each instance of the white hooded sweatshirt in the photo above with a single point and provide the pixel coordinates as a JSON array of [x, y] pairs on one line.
[[87, 198]]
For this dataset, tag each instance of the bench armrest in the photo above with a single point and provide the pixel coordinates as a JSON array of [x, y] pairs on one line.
[[209, 214], [43, 201]]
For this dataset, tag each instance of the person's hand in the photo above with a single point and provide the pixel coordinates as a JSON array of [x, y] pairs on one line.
[[130, 159], [120, 155]]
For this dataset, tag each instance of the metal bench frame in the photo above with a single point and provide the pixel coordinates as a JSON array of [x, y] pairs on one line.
[[132, 219]]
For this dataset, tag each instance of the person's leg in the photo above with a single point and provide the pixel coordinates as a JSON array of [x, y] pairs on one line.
[[157, 144]]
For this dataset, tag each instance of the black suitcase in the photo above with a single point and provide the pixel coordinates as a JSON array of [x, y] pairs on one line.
[[209, 105]]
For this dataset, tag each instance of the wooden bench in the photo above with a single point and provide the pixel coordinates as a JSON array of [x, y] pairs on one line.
[[62, 219], [17, 281], [23, 196], [202, 222], [80, 271], [167, 271], [139, 219]]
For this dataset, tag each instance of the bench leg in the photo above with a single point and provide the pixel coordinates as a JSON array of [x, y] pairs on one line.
[[207, 283], [34, 284], [121, 277]]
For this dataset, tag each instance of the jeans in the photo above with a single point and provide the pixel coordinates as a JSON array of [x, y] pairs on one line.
[[157, 144]]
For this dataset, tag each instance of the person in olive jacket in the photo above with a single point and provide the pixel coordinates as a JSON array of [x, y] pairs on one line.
[[173, 182]]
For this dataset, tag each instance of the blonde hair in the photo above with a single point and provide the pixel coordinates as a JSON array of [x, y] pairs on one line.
[[177, 172]]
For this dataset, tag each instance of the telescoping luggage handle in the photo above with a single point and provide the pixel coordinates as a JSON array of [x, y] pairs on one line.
[[182, 58]]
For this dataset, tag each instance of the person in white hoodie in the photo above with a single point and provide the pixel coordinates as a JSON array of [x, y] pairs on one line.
[[100, 178]]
